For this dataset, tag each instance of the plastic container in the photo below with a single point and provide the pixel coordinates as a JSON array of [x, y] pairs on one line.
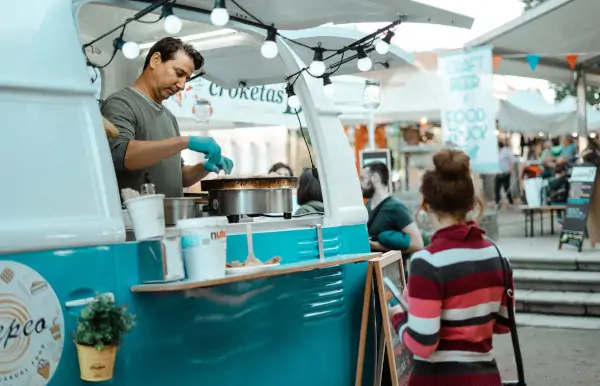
[[533, 191], [147, 214], [204, 247]]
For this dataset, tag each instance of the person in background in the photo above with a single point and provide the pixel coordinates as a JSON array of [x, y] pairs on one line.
[[568, 154], [591, 154], [149, 141], [310, 197], [390, 225], [547, 160], [281, 169], [522, 144], [556, 147], [455, 291], [502, 180], [558, 187]]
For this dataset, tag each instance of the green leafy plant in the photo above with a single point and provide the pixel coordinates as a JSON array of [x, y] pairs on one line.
[[103, 323]]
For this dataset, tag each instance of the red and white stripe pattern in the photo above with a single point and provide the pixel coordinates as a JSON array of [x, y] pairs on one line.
[[456, 303]]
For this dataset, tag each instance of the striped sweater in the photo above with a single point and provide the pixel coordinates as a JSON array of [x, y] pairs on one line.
[[456, 303]]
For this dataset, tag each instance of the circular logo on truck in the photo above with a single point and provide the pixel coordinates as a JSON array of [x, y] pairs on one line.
[[31, 327]]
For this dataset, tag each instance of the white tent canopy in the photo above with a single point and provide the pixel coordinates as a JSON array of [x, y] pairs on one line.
[[529, 111], [554, 29]]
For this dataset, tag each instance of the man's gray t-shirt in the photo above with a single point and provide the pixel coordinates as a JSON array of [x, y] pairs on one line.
[[139, 117]]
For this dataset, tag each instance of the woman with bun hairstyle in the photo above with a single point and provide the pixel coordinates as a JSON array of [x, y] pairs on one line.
[[455, 291]]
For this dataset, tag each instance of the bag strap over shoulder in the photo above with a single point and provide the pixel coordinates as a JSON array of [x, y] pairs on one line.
[[507, 274]]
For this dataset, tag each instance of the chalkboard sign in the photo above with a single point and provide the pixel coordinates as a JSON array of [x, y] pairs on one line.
[[390, 280], [582, 182]]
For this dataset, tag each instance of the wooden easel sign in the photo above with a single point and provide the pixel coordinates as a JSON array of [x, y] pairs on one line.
[[385, 281]]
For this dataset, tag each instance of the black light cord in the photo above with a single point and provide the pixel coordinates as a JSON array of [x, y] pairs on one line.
[[304, 137]]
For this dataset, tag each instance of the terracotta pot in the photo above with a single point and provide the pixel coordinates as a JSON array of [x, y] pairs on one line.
[[94, 365]]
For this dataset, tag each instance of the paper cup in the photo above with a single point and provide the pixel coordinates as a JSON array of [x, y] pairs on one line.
[[204, 247], [147, 214]]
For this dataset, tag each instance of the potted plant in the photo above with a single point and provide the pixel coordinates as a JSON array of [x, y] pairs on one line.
[[99, 333]]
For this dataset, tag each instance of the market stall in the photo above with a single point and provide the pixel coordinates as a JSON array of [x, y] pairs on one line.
[[297, 324]]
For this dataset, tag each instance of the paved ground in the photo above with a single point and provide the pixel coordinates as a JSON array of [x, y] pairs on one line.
[[552, 357], [512, 238]]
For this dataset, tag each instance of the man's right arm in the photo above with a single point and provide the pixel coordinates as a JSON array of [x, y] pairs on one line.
[[130, 154]]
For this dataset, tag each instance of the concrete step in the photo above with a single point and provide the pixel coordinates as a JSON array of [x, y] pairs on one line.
[[557, 263], [554, 321], [561, 303], [551, 280]]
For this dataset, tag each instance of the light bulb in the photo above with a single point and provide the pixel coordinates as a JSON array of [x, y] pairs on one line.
[[269, 49], [382, 47], [219, 16], [131, 50], [364, 64], [329, 90], [172, 24], [317, 68], [294, 101]]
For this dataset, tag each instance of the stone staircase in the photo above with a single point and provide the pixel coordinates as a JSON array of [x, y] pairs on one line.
[[558, 292]]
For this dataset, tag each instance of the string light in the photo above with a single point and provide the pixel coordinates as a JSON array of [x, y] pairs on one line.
[[219, 15], [317, 67], [131, 50], [383, 45], [328, 86], [172, 23], [293, 100], [269, 48], [364, 63]]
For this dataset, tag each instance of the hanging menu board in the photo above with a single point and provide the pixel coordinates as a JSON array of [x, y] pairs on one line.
[[376, 155], [582, 182]]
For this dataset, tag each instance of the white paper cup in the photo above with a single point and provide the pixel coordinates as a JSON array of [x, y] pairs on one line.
[[147, 214], [204, 247]]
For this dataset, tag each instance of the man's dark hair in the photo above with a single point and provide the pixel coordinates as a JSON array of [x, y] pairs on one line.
[[309, 188], [280, 165], [169, 46], [381, 169]]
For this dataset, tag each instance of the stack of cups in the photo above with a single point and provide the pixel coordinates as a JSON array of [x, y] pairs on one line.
[[147, 214]]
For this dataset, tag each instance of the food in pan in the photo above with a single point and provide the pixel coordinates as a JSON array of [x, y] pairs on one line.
[[252, 261]]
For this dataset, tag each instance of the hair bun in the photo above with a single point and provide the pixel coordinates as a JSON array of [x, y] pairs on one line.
[[452, 163]]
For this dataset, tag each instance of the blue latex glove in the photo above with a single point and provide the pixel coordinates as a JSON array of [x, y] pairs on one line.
[[207, 146], [224, 164], [394, 240]]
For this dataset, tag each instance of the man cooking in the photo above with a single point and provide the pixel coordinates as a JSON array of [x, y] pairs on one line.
[[149, 140]]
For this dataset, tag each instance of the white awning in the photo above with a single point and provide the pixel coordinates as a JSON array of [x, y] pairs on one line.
[[291, 14], [554, 29]]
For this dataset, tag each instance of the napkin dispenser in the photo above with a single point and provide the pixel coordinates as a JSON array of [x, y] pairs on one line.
[[160, 260]]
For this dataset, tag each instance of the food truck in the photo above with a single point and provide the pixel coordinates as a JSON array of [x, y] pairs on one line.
[[63, 237]]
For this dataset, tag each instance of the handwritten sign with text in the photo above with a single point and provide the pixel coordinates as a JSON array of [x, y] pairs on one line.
[[469, 106]]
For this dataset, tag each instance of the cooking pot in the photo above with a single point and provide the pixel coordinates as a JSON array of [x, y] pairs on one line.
[[183, 208]]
